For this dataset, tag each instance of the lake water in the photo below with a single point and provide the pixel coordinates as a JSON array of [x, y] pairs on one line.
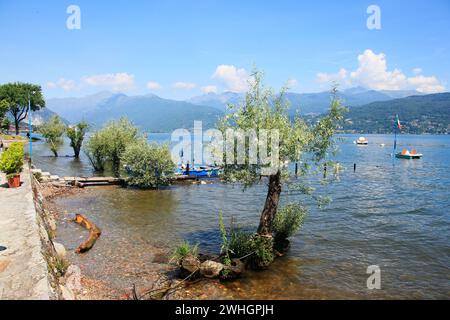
[[390, 213]]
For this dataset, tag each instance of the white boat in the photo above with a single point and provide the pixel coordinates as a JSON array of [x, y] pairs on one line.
[[362, 140]]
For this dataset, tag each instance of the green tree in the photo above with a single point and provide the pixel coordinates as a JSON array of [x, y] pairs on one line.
[[263, 110], [53, 131], [148, 165], [110, 142], [76, 135], [4, 121], [17, 96]]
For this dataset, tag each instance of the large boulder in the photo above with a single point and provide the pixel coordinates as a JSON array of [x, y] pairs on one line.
[[211, 269]]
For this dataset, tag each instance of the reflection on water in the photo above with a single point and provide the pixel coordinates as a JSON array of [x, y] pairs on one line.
[[391, 213]]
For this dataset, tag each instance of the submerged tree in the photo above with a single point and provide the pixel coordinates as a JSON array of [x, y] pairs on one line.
[[148, 165], [53, 131], [109, 143], [261, 112], [76, 135], [18, 95]]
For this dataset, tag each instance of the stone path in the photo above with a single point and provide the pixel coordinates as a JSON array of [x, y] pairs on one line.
[[23, 269]]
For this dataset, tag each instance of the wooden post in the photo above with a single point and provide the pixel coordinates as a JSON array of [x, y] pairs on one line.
[[354, 167], [296, 169]]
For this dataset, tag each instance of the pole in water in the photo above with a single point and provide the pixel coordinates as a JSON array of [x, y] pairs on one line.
[[354, 167], [296, 168], [324, 170]]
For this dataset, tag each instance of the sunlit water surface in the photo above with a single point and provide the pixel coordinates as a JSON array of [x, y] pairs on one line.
[[390, 213]]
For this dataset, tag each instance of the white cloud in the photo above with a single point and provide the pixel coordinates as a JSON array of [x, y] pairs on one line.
[[417, 70], [292, 83], [151, 85], [66, 85], [372, 73], [209, 89], [184, 85], [115, 81], [234, 79]]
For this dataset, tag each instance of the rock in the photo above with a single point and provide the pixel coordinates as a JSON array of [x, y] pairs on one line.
[[210, 269], [190, 264], [60, 250], [67, 294], [73, 278], [234, 271]]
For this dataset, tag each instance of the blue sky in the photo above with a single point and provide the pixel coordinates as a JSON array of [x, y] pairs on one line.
[[180, 48]]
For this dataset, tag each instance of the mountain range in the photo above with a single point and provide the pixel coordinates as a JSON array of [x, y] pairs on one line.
[[369, 110], [308, 103]]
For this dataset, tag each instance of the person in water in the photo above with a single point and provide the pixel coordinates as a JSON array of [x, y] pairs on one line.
[[187, 168]]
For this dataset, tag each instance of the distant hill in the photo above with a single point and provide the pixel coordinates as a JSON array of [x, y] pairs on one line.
[[76, 109], [307, 103], [149, 112], [418, 114]]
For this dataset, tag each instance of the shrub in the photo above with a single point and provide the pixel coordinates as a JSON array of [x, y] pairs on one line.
[[263, 249], [11, 161], [240, 243], [288, 221], [183, 250], [148, 165]]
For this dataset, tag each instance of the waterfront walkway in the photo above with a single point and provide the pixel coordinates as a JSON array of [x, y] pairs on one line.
[[23, 269]]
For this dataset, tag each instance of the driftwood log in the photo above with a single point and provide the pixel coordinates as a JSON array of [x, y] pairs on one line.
[[94, 233]]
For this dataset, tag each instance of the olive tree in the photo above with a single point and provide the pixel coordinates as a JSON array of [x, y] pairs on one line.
[[148, 165], [53, 131], [76, 135], [263, 111]]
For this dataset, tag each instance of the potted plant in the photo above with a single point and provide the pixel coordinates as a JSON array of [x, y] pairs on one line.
[[11, 163]]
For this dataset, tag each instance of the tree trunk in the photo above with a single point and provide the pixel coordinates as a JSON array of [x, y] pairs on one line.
[[16, 123], [271, 205], [76, 151]]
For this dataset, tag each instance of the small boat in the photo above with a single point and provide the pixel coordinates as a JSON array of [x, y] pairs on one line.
[[362, 141], [200, 172], [405, 154]]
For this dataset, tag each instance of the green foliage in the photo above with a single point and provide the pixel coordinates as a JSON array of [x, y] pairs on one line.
[[4, 125], [225, 248], [148, 165], [53, 131], [262, 246], [3, 109], [288, 221], [76, 135], [95, 150], [183, 250], [264, 110], [240, 243], [109, 143], [11, 160], [17, 95]]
